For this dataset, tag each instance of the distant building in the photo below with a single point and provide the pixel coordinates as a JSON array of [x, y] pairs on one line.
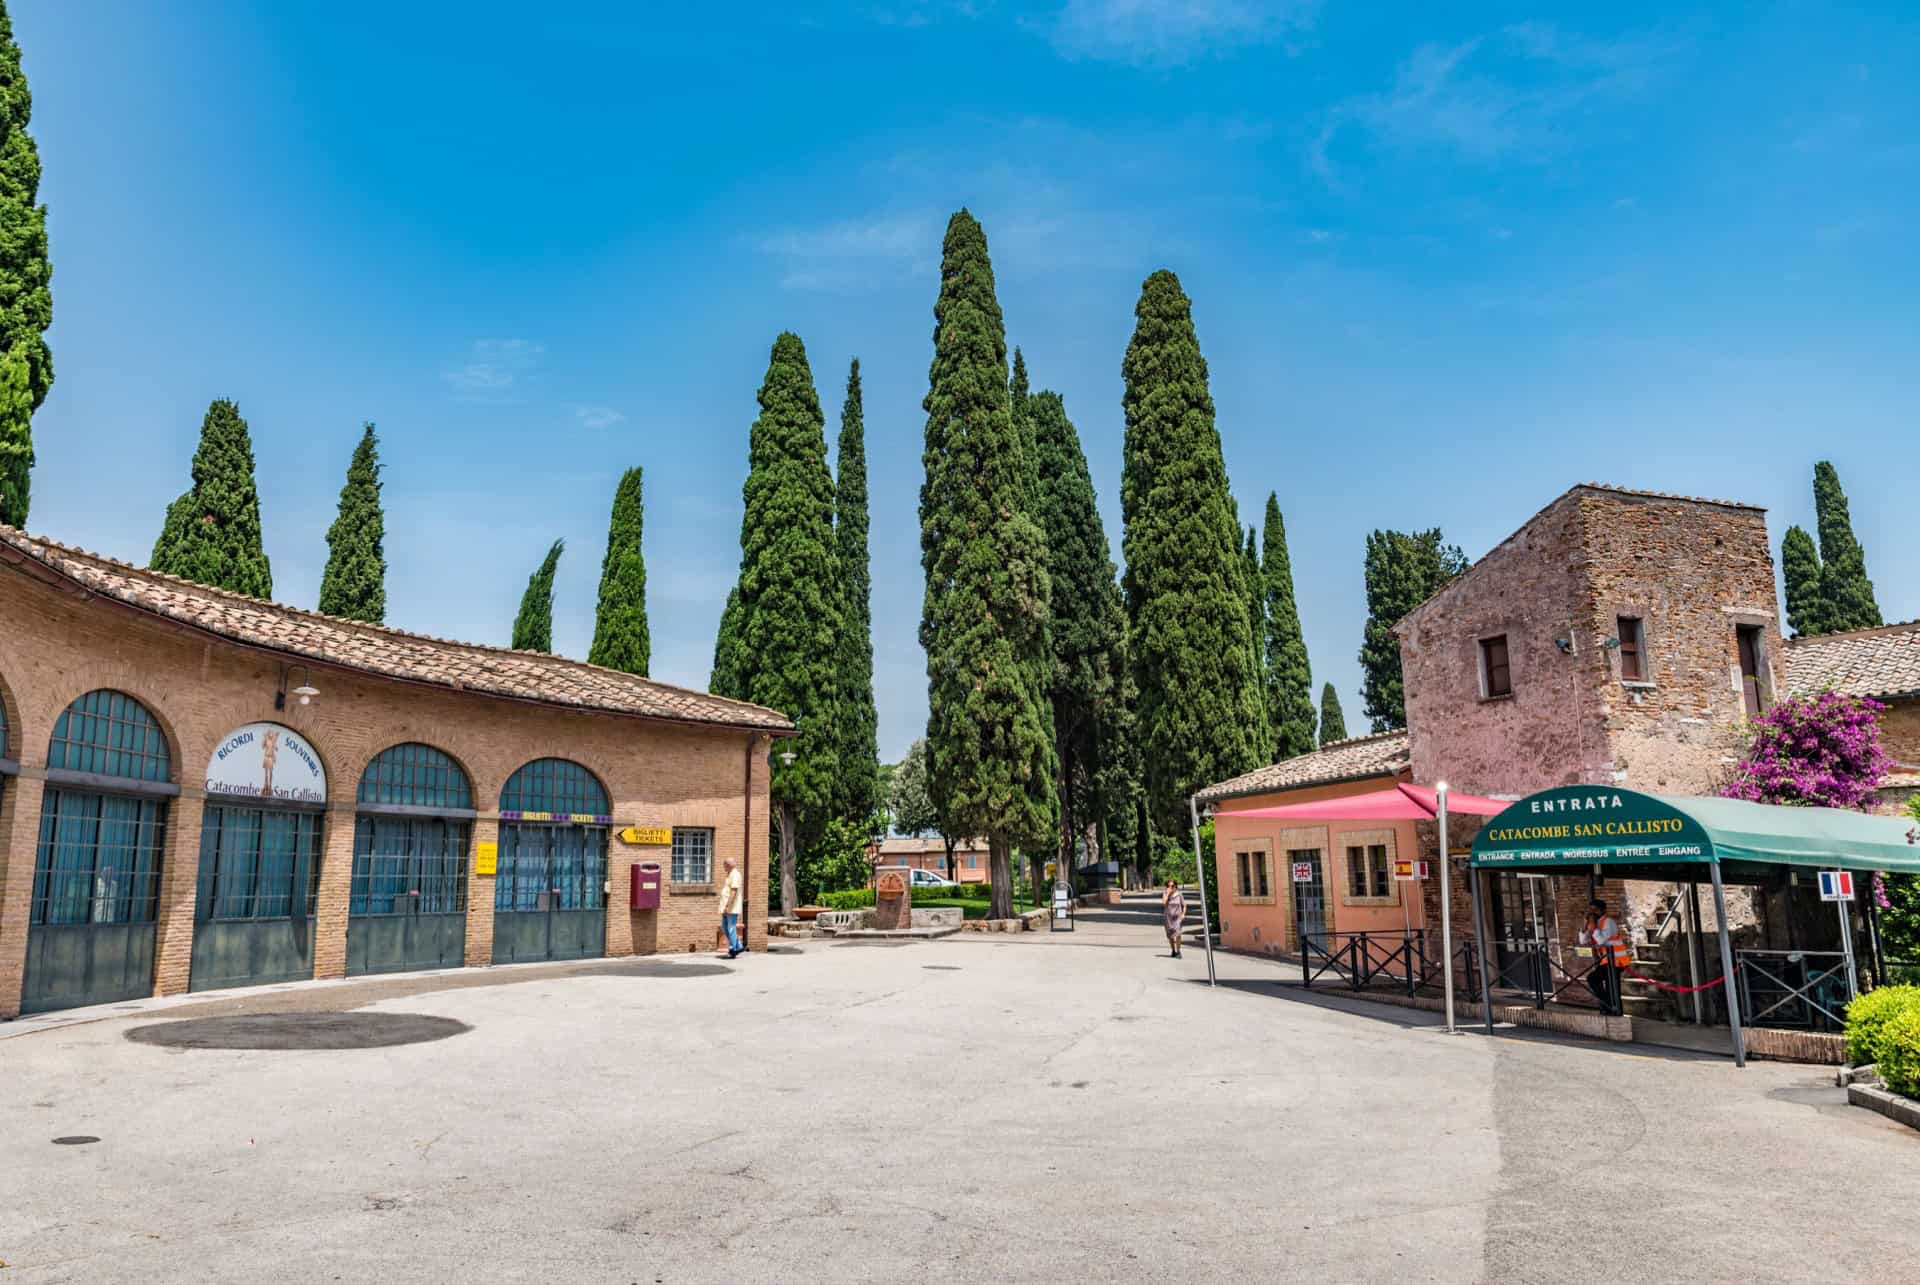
[[969, 856], [1883, 664]]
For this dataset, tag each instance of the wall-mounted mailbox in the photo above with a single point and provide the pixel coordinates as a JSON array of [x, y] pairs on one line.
[[646, 885]]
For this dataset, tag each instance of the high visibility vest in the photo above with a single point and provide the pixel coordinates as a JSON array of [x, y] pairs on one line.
[[1611, 950]]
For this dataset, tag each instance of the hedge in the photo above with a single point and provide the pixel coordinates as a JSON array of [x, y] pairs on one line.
[[1868, 1015], [1898, 1056]]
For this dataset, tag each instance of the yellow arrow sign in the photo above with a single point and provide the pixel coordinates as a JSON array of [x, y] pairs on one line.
[[638, 836]]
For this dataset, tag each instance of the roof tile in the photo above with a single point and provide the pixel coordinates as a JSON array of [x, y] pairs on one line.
[[1866, 662], [1382, 754]]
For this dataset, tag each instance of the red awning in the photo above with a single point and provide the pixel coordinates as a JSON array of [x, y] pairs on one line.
[[1403, 802]]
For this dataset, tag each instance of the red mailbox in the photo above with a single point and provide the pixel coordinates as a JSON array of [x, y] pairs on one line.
[[646, 885]]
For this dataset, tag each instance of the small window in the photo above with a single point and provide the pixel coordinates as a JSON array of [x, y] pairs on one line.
[[692, 856], [1751, 648], [1368, 874], [1633, 649], [1496, 677], [1252, 876], [1241, 861]]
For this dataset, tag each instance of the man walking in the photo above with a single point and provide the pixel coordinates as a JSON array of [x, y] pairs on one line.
[[730, 910]]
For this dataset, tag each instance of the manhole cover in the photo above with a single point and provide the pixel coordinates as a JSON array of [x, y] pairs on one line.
[[75, 1140], [299, 1031]]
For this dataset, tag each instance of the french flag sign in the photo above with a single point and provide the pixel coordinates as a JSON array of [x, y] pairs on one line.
[[1836, 885]]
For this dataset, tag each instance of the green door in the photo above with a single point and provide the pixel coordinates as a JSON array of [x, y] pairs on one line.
[[96, 882], [549, 901], [408, 906], [253, 914]]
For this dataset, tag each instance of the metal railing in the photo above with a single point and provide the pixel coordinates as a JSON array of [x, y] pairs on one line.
[[1796, 989], [1406, 960], [1541, 970]]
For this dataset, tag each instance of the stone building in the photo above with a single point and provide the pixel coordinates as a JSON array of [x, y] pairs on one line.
[[919, 852], [1883, 664], [199, 789]]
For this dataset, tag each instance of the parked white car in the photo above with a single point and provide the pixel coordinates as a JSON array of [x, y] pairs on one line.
[[928, 879]]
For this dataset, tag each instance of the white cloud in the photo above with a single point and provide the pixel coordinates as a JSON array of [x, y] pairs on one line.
[[856, 253], [1507, 94], [492, 367], [597, 417], [1173, 31]]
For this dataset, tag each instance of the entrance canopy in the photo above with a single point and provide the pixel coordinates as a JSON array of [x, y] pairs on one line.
[[1403, 802], [1639, 835]]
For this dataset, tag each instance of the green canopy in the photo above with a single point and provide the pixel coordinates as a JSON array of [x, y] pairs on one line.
[[1650, 834]]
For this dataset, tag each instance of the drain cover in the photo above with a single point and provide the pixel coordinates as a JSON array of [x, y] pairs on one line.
[[75, 1140], [299, 1031]]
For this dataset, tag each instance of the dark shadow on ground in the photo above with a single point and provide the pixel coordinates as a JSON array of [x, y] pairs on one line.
[[303, 1031]]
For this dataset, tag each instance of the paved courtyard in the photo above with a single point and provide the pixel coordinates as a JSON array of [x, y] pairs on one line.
[[1067, 1107]]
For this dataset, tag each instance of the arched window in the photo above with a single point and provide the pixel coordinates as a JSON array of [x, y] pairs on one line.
[[555, 790], [410, 838], [109, 734]]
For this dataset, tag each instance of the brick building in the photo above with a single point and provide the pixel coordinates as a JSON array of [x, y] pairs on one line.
[[199, 789], [1883, 664], [919, 853]]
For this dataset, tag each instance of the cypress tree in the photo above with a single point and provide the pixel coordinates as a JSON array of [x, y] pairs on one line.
[[354, 584], [620, 637], [1264, 735], [859, 723], [991, 756], [16, 438], [1402, 571], [26, 274], [1200, 698], [1020, 403], [212, 533], [1087, 628], [1289, 676], [533, 626], [1333, 723], [1800, 567], [1844, 586], [725, 680], [788, 618]]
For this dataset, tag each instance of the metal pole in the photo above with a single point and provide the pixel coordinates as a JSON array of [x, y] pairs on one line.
[[1200, 877], [1846, 946], [1726, 967], [1696, 952], [1480, 945], [1875, 951], [1446, 904]]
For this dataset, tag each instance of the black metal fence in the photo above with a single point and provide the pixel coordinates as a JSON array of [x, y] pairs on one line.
[[1408, 960]]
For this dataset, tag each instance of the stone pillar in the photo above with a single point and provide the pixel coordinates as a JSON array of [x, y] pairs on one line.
[[480, 896], [19, 845], [179, 878], [336, 889]]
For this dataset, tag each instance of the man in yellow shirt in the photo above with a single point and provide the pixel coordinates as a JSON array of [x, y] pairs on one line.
[[730, 900]]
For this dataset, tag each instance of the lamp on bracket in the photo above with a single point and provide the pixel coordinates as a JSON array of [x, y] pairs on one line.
[[306, 691]]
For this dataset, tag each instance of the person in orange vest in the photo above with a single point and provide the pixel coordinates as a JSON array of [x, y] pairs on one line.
[[1610, 955]]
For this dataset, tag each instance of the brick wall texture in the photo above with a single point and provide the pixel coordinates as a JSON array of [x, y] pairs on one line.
[[55, 647]]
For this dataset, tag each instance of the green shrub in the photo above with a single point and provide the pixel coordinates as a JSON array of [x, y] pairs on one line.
[[850, 899], [1868, 1015], [1898, 1055]]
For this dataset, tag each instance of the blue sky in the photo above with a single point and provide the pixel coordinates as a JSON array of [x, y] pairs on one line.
[[1446, 261]]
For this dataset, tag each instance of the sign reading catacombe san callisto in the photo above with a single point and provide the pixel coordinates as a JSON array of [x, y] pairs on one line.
[[266, 761], [1590, 824]]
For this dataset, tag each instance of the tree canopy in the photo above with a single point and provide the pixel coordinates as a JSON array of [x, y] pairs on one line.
[[1333, 723], [1403, 570], [354, 584], [859, 793], [212, 532], [533, 625], [1289, 676], [621, 639]]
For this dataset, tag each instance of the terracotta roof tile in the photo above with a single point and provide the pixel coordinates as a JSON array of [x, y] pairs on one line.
[[380, 651], [1866, 662], [1382, 754]]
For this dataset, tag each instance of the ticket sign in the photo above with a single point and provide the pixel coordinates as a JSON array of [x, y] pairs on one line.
[[646, 836], [486, 857], [1836, 885], [1303, 872], [1409, 871]]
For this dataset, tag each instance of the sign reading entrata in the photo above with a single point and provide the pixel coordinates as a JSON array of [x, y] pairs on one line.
[[1836, 885], [646, 836], [1590, 824], [1303, 872], [486, 857], [266, 761]]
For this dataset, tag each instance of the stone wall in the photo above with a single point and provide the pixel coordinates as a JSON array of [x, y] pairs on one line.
[[1900, 730], [55, 647]]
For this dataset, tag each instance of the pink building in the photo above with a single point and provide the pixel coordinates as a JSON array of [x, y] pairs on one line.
[[969, 856]]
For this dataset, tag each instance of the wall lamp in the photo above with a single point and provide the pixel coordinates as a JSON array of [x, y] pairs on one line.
[[305, 691]]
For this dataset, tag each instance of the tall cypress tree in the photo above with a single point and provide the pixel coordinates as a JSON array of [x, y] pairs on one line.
[[1800, 567], [1020, 404], [1333, 723], [1289, 676], [1844, 586], [788, 618], [533, 626], [26, 274], [984, 619], [620, 637], [1199, 694], [859, 790], [727, 666], [1264, 736], [212, 532], [1087, 629], [1402, 571], [16, 438], [354, 585]]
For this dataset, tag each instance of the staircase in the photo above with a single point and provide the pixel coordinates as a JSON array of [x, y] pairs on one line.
[[1651, 957]]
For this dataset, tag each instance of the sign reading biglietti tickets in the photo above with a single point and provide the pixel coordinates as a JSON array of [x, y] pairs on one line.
[[1590, 825]]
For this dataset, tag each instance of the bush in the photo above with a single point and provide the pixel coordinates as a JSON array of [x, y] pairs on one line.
[[1898, 1056], [850, 899], [1868, 1016]]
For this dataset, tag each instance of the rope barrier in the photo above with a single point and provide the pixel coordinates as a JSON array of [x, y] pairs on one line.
[[1678, 990]]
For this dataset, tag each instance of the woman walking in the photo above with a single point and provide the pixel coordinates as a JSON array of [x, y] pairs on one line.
[[1173, 907]]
